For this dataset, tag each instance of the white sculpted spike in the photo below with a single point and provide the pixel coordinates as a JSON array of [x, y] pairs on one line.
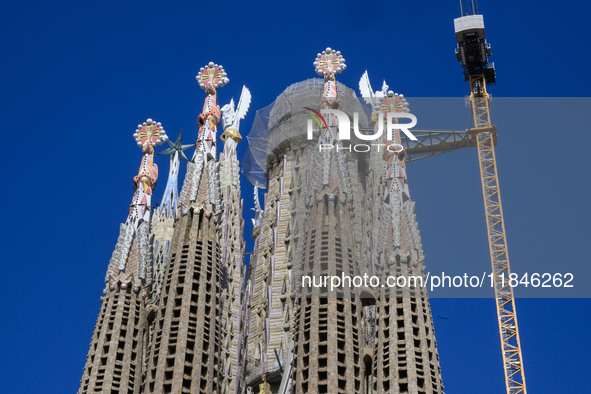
[[366, 90], [258, 211], [231, 116], [369, 96], [243, 106], [228, 112]]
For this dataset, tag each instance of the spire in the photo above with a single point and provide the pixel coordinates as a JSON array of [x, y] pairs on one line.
[[148, 135], [210, 78], [258, 214], [202, 185], [137, 226], [396, 190], [328, 64]]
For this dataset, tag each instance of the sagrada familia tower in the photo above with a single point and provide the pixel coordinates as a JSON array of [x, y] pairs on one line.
[[182, 313]]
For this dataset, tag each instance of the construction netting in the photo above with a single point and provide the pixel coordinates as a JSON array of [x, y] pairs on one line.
[[285, 120]]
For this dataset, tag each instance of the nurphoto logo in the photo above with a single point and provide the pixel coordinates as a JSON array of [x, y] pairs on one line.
[[344, 129]]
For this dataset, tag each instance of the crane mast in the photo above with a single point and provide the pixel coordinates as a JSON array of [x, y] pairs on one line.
[[473, 52]]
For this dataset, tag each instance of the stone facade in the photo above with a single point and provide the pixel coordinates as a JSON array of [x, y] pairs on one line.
[[181, 313], [325, 215]]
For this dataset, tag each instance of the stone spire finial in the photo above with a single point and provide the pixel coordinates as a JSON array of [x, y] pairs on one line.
[[211, 77], [231, 116], [201, 186], [137, 226], [148, 135], [328, 63]]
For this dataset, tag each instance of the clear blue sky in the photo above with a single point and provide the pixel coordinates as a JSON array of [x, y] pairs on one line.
[[77, 77]]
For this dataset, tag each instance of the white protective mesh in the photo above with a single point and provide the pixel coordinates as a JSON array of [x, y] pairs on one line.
[[284, 120]]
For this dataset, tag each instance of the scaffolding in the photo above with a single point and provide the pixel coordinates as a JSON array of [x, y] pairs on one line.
[[284, 121]]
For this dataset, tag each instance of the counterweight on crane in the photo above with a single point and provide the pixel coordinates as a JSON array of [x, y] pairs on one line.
[[473, 52]]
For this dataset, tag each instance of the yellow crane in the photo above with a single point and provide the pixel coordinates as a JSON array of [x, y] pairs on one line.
[[473, 52]]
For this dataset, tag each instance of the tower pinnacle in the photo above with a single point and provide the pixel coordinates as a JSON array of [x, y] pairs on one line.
[[136, 227], [210, 78], [328, 63], [148, 135], [201, 188], [231, 116]]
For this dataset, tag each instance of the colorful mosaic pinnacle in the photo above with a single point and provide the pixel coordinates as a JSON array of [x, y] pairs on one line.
[[212, 76], [149, 134], [329, 62], [201, 175], [393, 102]]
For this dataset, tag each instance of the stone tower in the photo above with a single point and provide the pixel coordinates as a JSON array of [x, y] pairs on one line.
[[114, 361], [181, 313], [400, 341], [194, 340], [334, 212], [232, 239], [171, 313]]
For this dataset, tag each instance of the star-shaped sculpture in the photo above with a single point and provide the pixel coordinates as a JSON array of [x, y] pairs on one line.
[[177, 146]]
